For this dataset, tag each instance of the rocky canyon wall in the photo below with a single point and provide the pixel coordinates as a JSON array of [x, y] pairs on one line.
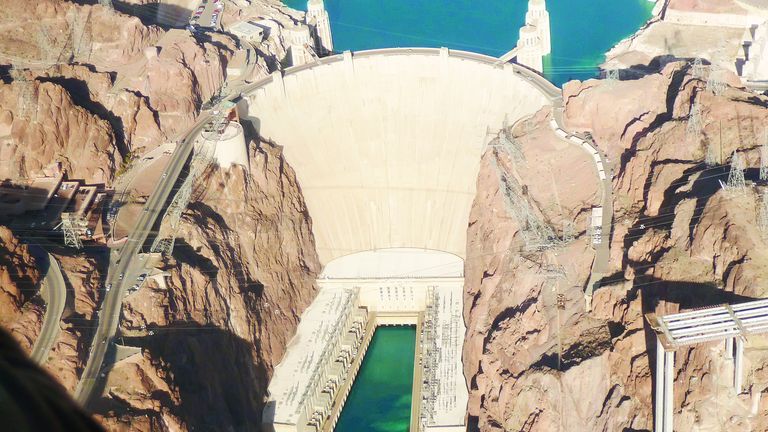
[[679, 241], [90, 91], [214, 325]]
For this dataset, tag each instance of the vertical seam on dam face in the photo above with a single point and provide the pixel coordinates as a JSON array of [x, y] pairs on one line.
[[386, 146]]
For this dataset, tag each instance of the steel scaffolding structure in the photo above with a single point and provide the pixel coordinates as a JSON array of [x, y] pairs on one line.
[[729, 323]]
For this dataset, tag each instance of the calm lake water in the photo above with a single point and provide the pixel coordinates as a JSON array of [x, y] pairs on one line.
[[380, 400], [582, 30]]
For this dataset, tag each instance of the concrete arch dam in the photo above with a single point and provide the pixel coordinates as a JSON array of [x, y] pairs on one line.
[[386, 144]]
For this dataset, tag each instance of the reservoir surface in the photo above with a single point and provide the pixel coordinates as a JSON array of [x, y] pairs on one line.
[[582, 30], [380, 400]]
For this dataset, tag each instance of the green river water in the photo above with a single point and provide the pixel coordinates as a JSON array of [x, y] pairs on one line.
[[380, 400]]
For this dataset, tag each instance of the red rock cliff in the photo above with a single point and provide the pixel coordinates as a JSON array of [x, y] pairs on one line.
[[678, 241]]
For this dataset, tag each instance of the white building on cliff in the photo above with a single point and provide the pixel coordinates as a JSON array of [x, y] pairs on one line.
[[538, 17], [318, 19], [534, 41]]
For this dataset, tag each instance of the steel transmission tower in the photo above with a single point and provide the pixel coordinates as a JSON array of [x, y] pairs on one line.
[[80, 35], [711, 157], [569, 231], [612, 76], [693, 129], [27, 101], [72, 227], [736, 182], [715, 82], [107, 3], [536, 232], [505, 141], [764, 159], [46, 46], [698, 68], [762, 214], [202, 158]]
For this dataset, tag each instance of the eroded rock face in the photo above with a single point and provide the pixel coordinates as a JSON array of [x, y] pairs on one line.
[[243, 271], [47, 126], [246, 264], [678, 242], [134, 122], [84, 276], [66, 31], [184, 74], [20, 310]]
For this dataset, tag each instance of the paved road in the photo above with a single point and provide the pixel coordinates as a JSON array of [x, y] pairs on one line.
[[126, 262], [54, 293], [602, 251]]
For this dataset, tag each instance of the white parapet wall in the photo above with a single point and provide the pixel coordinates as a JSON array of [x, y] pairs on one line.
[[386, 144]]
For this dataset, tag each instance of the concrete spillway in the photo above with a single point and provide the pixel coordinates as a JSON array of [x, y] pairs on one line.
[[386, 144]]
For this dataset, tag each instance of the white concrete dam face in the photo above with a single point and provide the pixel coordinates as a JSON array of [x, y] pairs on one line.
[[386, 144]]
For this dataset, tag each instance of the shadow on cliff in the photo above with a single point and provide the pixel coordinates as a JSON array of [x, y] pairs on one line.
[[149, 13], [218, 377], [656, 65], [81, 96], [166, 17]]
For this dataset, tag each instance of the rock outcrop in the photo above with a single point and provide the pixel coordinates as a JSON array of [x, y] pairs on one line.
[[84, 278], [243, 271], [45, 125], [20, 306], [679, 241]]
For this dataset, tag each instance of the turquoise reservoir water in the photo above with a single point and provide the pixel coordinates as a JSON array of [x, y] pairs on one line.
[[582, 30], [380, 400]]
